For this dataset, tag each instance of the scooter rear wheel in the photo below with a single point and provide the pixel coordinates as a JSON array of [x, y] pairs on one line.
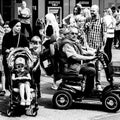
[[62, 100], [111, 102]]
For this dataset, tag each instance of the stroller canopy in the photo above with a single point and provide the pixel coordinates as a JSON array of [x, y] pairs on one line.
[[25, 52]]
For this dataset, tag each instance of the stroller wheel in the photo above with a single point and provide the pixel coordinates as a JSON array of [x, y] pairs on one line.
[[62, 100], [34, 113], [9, 113], [31, 112]]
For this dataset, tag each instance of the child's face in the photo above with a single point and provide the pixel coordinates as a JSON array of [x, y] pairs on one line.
[[19, 67], [20, 63], [35, 45]]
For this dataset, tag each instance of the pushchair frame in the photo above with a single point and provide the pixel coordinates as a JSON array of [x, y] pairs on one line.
[[15, 100]]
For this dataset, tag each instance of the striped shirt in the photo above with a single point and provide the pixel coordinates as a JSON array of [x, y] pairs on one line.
[[94, 31]]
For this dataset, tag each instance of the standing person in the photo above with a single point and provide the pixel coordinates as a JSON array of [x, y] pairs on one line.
[[24, 15], [96, 34], [35, 48], [71, 18], [12, 40], [39, 28], [52, 35], [6, 30], [111, 23], [117, 30]]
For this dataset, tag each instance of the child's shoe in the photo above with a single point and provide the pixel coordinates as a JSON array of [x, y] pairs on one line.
[[22, 102], [99, 88]]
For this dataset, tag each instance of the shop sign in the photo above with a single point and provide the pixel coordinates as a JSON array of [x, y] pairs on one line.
[[55, 7], [85, 3]]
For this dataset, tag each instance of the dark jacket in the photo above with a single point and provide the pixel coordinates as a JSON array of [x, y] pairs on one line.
[[65, 62], [11, 41]]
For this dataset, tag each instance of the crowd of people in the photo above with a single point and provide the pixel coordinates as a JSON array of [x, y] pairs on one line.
[[81, 34]]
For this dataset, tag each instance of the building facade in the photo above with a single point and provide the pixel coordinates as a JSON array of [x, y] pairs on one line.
[[61, 8]]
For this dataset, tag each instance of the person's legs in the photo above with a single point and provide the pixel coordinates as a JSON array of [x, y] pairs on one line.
[[108, 48], [3, 82], [119, 39], [7, 73], [36, 76], [115, 38], [22, 93], [89, 72], [27, 89]]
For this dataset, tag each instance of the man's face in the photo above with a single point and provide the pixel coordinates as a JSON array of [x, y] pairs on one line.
[[93, 12], [75, 11], [24, 4], [74, 34]]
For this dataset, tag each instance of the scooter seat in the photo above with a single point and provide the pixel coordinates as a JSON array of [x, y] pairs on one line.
[[72, 77]]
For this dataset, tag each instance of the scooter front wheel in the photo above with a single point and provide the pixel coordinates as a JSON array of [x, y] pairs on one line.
[[111, 102], [62, 100]]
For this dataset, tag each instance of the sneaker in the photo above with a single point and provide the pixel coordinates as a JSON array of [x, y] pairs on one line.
[[99, 88], [2, 93], [28, 102], [22, 102], [54, 87], [38, 94]]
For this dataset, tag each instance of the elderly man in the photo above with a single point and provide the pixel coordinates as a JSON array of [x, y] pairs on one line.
[[71, 56], [96, 33]]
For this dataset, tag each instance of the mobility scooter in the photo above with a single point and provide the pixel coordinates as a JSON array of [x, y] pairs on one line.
[[72, 89]]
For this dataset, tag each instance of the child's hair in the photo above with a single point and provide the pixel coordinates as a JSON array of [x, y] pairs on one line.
[[35, 38]]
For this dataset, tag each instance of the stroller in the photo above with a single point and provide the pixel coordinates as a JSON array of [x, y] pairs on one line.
[[14, 103]]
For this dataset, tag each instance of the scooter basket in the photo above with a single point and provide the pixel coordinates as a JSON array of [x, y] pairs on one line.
[[46, 62]]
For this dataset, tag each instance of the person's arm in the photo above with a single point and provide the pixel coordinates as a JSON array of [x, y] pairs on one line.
[[28, 77], [104, 32], [118, 20], [36, 66], [71, 53], [66, 20], [1, 20], [15, 78]]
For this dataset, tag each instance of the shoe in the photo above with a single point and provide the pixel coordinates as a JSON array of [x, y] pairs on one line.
[[22, 102], [2, 93], [28, 102], [54, 87], [99, 88]]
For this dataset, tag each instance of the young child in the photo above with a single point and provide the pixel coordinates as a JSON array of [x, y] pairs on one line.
[[22, 77], [35, 48]]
